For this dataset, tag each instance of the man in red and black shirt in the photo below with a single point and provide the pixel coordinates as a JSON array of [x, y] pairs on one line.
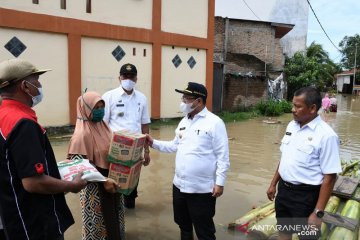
[[32, 201]]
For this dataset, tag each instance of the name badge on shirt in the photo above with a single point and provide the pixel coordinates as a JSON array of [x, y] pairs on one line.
[[181, 130], [120, 105]]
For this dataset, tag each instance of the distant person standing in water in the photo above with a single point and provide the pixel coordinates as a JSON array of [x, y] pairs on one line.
[[325, 103], [333, 103]]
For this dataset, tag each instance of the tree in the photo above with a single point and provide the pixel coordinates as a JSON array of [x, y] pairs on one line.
[[310, 68], [348, 47], [316, 51]]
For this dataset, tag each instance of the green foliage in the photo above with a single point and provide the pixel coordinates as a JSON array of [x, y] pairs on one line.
[[348, 49], [273, 108], [310, 68], [286, 106]]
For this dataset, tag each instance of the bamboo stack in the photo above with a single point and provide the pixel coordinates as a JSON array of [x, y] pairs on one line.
[[254, 216], [265, 215], [350, 210], [331, 207]]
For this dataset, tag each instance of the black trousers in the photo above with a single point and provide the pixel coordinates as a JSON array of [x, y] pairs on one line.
[[195, 209], [293, 206], [133, 194], [110, 209], [2, 234]]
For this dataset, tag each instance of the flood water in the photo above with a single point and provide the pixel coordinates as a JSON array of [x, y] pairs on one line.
[[254, 155]]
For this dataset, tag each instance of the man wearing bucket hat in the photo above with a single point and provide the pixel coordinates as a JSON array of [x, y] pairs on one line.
[[32, 198], [202, 161], [126, 108]]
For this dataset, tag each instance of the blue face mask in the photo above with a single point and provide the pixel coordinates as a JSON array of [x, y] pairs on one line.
[[98, 114], [36, 99]]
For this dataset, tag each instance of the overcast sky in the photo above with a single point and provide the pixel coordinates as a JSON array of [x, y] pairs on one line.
[[338, 17]]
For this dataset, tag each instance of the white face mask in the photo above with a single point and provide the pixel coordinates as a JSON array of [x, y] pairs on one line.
[[38, 98], [187, 107], [127, 84]]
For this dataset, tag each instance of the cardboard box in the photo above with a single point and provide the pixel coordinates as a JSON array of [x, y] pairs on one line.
[[126, 147], [126, 177]]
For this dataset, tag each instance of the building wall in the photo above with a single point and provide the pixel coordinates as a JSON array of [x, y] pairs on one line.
[[293, 12], [282, 11], [242, 92], [177, 78], [250, 46], [83, 58], [100, 71], [279, 56], [115, 12], [254, 38], [219, 39], [49, 51], [185, 17], [245, 39], [243, 63]]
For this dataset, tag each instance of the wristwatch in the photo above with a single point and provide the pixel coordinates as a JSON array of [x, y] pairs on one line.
[[319, 213]]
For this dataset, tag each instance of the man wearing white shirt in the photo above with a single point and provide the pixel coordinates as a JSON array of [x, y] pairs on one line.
[[126, 108], [202, 161], [307, 170]]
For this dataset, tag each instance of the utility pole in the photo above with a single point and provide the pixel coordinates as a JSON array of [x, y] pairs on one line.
[[355, 68]]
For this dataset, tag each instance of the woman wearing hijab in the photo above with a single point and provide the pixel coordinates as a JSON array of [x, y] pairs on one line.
[[101, 207]]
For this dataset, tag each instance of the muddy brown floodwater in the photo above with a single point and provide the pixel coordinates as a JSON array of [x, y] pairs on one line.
[[254, 155]]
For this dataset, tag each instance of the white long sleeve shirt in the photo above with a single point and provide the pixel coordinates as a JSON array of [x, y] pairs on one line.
[[202, 153]]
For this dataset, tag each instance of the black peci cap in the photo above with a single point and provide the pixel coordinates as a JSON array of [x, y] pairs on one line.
[[128, 68], [194, 89]]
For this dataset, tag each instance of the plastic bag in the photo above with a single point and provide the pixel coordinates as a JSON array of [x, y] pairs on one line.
[[70, 168]]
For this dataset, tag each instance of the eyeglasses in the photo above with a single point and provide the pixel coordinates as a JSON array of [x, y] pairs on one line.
[[185, 98]]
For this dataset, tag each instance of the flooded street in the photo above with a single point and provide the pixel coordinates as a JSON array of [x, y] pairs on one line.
[[254, 155]]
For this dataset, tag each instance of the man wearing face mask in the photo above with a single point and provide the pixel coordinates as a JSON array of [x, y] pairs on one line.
[[32, 202], [202, 161], [126, 108]]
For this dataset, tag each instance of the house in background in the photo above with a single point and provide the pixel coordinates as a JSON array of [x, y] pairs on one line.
[[246, 53], [295, 12], [345, 82], [85, 43]]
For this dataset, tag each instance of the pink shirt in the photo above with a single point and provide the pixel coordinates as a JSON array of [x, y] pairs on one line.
[[326, 103]]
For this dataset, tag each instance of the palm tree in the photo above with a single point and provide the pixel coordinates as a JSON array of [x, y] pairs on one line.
[[316, 51]]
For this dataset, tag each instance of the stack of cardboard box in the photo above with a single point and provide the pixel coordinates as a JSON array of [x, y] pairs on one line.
[[124, 156]]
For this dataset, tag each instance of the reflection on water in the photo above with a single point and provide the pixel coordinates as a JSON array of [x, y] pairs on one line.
[[254, 154]]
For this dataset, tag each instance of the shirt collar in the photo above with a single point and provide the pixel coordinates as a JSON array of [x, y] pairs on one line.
[[19, 105], [202, 113], [122, 92], [312, 125]]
